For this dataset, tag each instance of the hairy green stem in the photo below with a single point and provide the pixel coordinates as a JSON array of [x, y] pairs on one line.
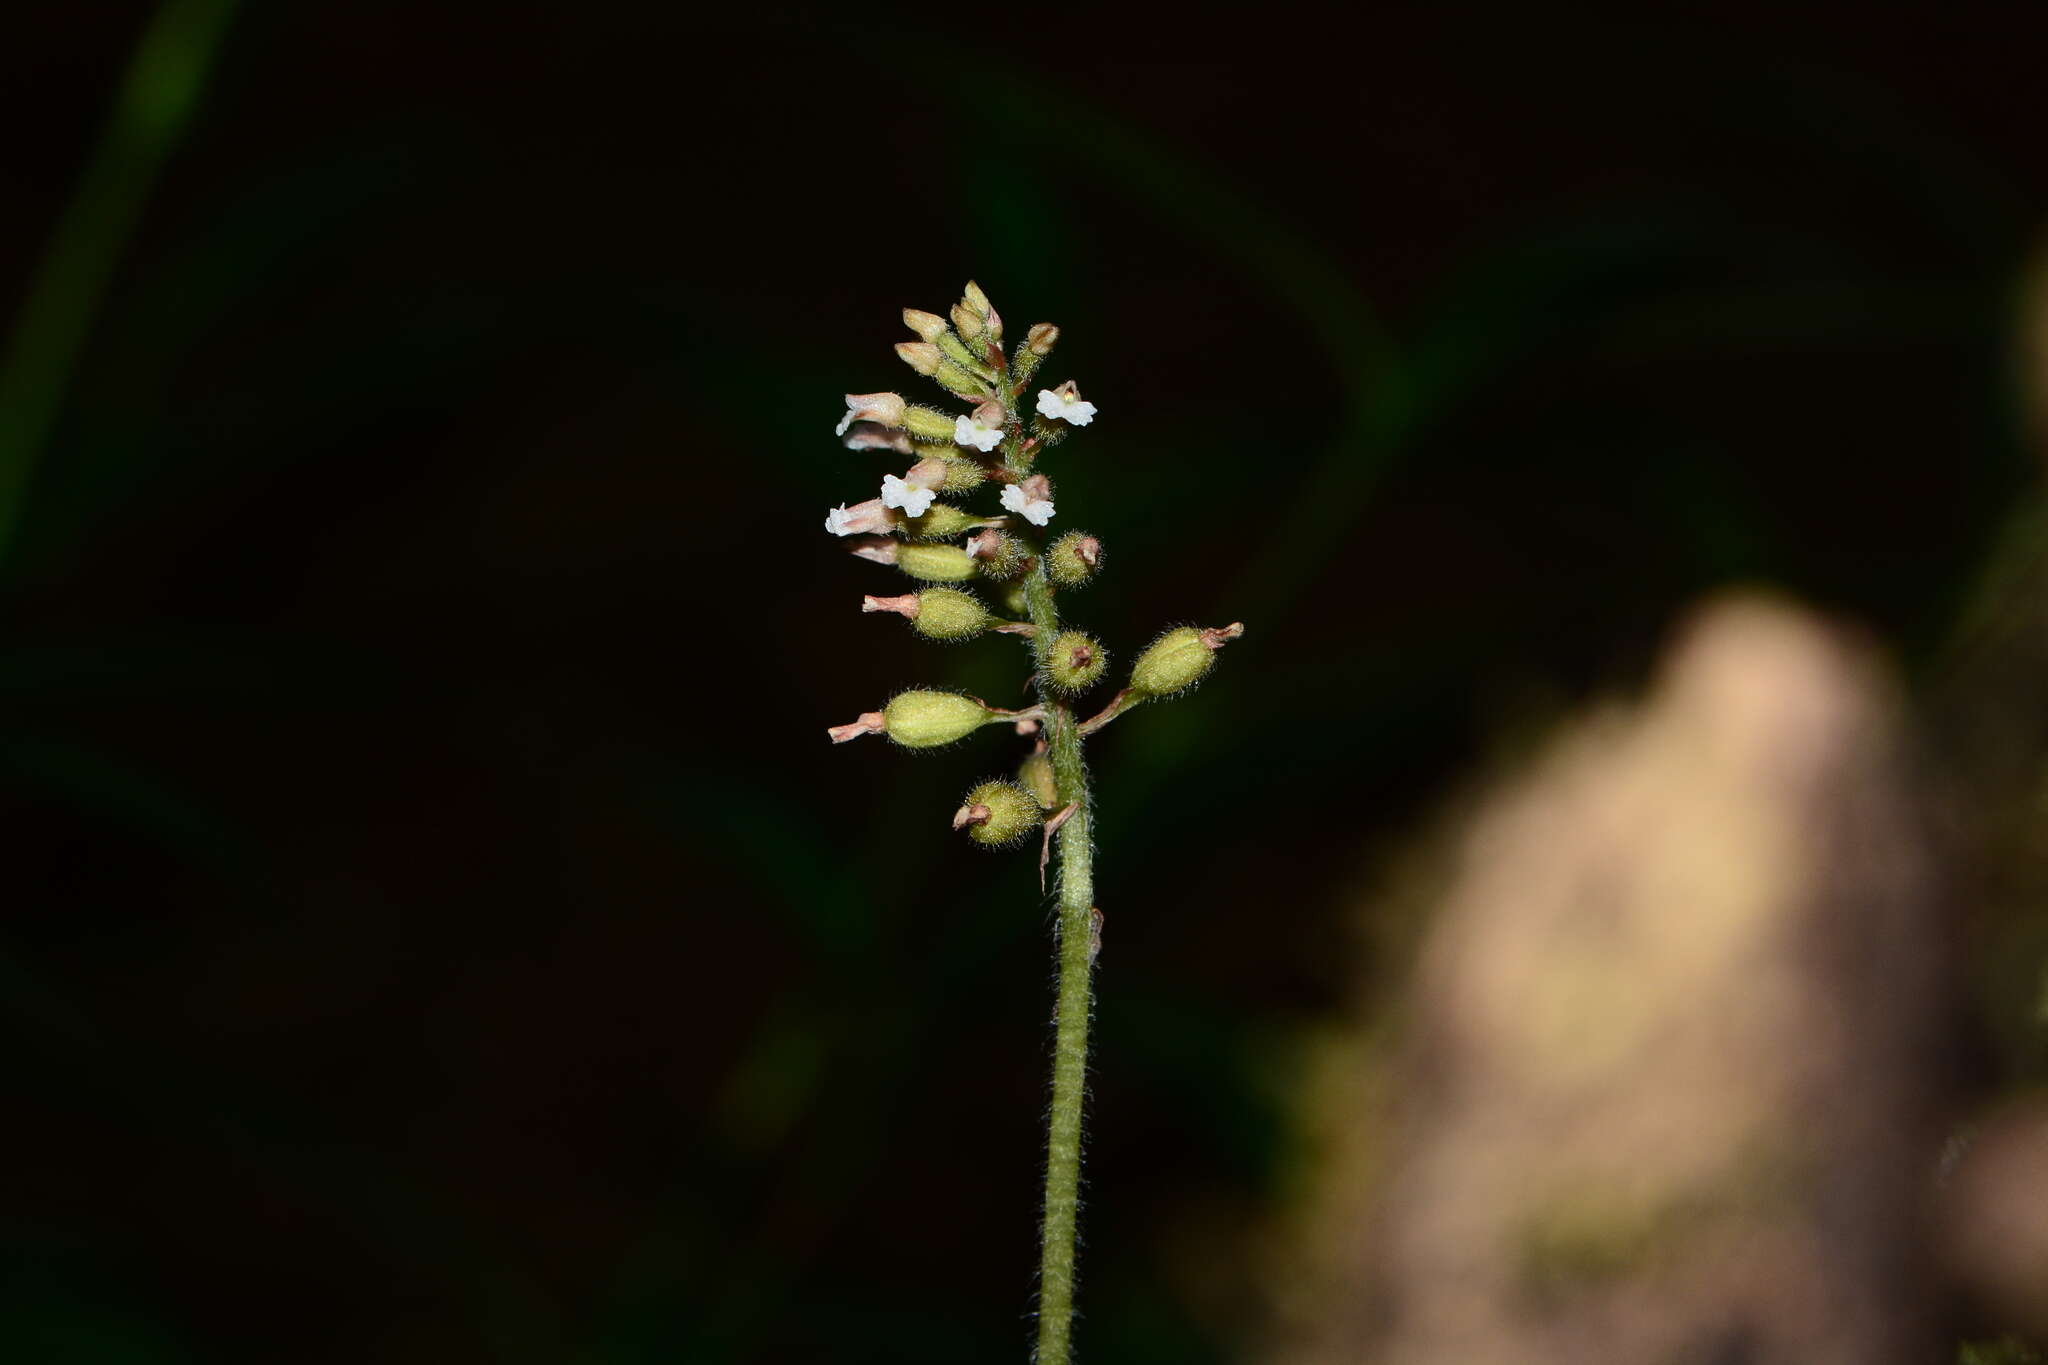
[[1075, 938]]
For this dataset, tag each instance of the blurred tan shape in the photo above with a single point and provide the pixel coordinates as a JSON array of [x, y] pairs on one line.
[[1661, 1090], [1994, 1208]]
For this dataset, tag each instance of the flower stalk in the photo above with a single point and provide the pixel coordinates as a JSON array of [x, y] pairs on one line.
[[1061, 1213], [905, 528]]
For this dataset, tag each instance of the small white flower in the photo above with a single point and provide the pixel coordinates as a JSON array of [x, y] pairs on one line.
[[1037, 511], [970, 432], [838, 521], [1066, 405], [913, 500]]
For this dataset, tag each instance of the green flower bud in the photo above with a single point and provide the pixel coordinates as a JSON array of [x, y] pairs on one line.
[[957, 349], [929, 424], [925, 720], [936, 613], [975, 299], [941, 521], [1179, 659], [1073, 559], [948, 614], [1075, 661], [998, 813], [1038, 343], [936, 563], [998, 554], [1036, 776], [1176, 661], [963, 475], [1015, 602], [959, 379]]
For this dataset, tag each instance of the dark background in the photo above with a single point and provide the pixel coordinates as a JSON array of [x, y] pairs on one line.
[[436, 928]]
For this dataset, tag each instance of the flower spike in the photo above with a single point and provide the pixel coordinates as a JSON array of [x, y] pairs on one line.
[[1010, 428]]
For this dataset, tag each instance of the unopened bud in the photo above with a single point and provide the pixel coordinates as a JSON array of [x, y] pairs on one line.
[[1073, 559], [885, 408], [967, 322], [921, 356], [975, 299], [929, 424], [998, 813], [1075, 661], [1038, 343], [925, 720], [1015, 601], [936, 613], [936, 563], [945, 469], [928, 473], [1036, 776], [1179, 659], [928, 326]]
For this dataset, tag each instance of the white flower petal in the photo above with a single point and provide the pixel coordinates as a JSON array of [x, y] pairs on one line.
[[1052, 403], [914, 501], [1036, 511], [836, 519], [844, 423], [968, 432]]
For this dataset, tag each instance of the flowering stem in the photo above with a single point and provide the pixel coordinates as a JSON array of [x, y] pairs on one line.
[[1076, 959], [969, 361]]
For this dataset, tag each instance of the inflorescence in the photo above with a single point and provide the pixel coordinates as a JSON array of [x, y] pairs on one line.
[[948, 546]]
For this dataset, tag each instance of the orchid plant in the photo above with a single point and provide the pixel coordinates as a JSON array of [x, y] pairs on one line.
[[946, 547]]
